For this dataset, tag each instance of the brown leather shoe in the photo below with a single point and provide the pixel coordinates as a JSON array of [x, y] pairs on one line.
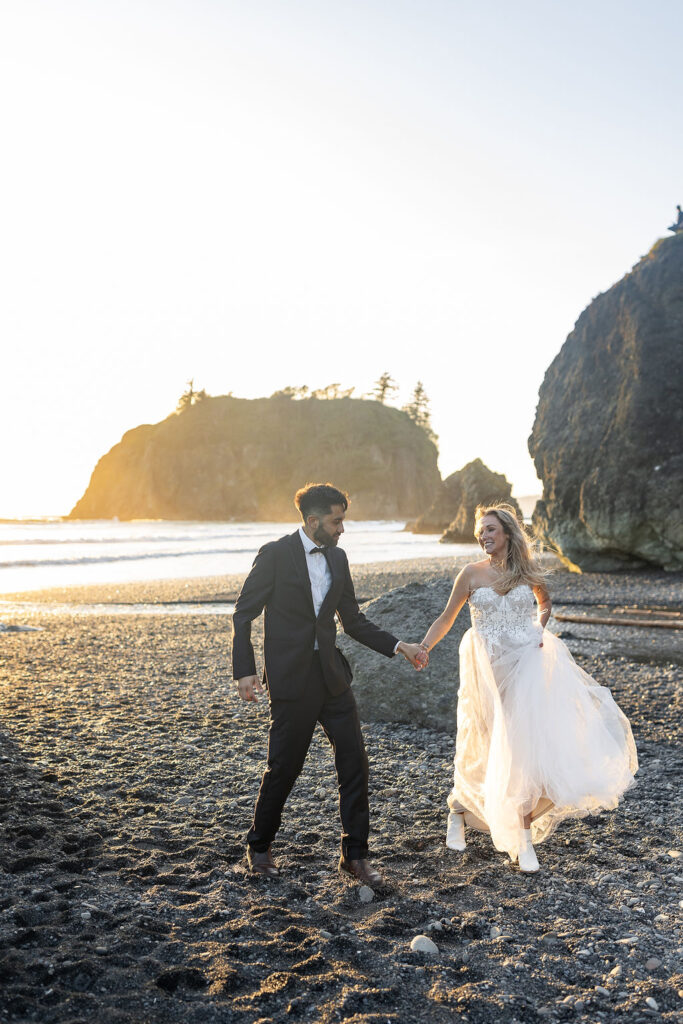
[[262, 863], [362, 870]]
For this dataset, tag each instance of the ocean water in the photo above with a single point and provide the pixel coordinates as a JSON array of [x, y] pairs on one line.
[[36, 555]]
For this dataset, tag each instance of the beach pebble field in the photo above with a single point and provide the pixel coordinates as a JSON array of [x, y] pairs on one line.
[[129, 769]]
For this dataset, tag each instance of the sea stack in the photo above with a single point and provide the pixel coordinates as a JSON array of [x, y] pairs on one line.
[[608, 436], [452, 512], [233, 458]]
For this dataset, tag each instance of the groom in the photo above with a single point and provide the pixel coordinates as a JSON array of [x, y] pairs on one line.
[[303, 581]]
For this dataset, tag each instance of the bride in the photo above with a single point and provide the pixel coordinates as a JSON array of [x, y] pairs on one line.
[[538, 740]]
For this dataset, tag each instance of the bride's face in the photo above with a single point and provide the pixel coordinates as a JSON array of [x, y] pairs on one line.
[[493, 538]]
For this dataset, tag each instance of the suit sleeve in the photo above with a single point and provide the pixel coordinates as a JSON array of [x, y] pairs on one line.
[[357, 625], [252, 599]]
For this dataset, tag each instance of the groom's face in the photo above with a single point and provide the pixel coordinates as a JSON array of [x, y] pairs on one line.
[[329, 527]]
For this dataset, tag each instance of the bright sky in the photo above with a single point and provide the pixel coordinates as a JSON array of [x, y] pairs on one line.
[[258, 194]]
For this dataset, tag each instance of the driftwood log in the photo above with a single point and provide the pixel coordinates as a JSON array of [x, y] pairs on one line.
[[667, 620]]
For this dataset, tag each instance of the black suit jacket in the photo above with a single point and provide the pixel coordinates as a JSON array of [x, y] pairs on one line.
[[279, 582]]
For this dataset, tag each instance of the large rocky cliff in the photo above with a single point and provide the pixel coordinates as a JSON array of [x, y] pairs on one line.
[[234, 458], [608, 437]]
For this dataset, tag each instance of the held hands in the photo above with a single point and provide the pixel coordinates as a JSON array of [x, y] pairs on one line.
[[249, 688], [415, 654]]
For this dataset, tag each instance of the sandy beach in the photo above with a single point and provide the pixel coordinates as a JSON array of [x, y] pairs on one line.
[[129, 770]]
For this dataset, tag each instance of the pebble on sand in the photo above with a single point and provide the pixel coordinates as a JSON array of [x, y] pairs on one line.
[[423, 944], [652, 1003], [366, 894], [652, 964]]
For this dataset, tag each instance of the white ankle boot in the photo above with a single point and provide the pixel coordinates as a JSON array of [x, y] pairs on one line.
[[455, 836], [527, 858]]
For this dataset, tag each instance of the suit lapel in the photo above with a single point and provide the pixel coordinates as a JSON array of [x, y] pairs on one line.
[[300, 566]]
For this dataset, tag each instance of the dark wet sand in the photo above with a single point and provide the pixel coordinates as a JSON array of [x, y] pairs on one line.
[[129, 769]]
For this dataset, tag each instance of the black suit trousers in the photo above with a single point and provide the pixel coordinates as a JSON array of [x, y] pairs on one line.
[[292, 723]]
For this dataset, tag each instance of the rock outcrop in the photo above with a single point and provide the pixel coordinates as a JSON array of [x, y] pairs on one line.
[[233, 458], [608, 437], [391, 690], [453, 509]]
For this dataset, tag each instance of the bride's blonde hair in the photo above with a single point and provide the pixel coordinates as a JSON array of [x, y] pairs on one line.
[[521, 565]]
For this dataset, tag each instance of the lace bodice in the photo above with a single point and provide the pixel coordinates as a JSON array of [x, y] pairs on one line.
[[505, 618]]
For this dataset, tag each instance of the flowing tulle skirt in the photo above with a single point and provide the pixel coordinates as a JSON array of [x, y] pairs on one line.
[[535, 735]]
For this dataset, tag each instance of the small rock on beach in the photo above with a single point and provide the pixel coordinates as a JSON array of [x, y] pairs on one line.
[[423, 944]]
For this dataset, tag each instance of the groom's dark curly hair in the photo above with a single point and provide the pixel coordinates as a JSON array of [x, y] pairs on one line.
[[318, 499]]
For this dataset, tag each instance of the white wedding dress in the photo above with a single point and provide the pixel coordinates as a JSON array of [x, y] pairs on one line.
[[535, 733]]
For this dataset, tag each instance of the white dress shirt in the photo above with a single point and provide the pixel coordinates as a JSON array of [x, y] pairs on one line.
[[319, 573]]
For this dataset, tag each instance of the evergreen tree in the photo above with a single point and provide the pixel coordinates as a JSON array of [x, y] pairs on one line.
[[384, 388], [419, 411], [190, 397]]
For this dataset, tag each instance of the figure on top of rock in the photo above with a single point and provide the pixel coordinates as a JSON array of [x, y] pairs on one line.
[[678, 223]]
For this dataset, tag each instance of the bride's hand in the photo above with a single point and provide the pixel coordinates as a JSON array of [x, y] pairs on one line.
[[416, 655]]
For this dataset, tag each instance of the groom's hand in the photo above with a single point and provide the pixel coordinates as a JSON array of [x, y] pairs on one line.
[[249, 688], [416, 655]]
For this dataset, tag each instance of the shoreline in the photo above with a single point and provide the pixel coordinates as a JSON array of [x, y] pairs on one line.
[[376, 576], [370, 579]]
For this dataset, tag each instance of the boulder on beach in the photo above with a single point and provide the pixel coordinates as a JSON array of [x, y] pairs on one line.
[[608, 436], [391, 690], [233, 458], [452, 512]]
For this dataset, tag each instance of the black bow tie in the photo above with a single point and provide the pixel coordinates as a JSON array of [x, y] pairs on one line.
[[317, 551]]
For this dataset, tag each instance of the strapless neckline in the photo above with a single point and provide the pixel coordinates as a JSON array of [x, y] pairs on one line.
[[493, 589]]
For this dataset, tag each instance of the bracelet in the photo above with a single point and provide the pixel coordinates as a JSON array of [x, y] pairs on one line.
[[424, 647]]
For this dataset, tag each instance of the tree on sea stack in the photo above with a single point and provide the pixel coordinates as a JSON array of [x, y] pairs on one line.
[[384, 388], [292, 392], [419, 412], [190, 397], [327, 393], [332, 391]]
